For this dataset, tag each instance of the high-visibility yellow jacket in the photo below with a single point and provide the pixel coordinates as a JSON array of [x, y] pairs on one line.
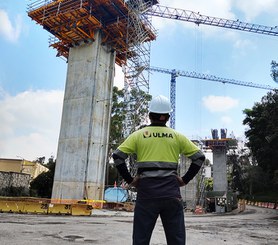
[[158, 144], [157, 150]]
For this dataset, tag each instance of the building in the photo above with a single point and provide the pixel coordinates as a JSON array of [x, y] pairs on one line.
[[22, 166]]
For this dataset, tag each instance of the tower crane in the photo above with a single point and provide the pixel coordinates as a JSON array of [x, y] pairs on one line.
[[175, 73], [197, 18]]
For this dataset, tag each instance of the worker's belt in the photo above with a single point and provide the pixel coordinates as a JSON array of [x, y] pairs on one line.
[[141, 170], [157, 165], [156, 169]]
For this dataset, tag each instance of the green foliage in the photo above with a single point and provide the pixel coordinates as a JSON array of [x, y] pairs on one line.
[[258, 181], [112, 174], [262, 134], [237, 163], [138, 105], [209, 184], [248, 179], [264, 196], [13, 191], [118, 112], [42, 185]]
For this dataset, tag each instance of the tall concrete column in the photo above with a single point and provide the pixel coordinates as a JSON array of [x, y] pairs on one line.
[[220, 169], [83, 140]]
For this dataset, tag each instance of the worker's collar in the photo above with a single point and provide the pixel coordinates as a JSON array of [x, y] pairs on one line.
[[159, 124]]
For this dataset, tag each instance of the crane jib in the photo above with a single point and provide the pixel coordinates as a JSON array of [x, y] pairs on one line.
[[197, 18]]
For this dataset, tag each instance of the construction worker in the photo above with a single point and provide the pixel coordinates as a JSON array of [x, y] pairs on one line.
[[157, 148]]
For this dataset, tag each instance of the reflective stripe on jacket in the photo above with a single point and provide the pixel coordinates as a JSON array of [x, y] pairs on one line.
[[157, 148]]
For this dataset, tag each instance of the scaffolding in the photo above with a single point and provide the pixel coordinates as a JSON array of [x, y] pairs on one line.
[[137, 57], [125, 28], [74, 22]]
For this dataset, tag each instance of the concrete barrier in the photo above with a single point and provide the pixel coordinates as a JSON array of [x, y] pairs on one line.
[[271, 205], [43, 206], [199, 210]]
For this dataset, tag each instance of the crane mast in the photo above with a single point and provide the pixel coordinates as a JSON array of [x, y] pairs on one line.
[[197, 18], [208, 77], [174, 74]]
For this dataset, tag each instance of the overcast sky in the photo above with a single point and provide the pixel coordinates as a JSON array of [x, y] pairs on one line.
[[32, 78]]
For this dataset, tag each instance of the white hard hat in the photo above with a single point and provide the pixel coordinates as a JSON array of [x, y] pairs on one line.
[[160, 104]]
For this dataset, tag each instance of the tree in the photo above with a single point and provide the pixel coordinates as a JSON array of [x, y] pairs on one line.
[[139, 108], [262, 134], [41, 160], [42, 185], [138, 104], [208, 184], [239, 163], [118, 112]]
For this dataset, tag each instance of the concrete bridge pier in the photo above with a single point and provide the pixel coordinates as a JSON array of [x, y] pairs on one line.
[[220, 169], [84, 133], [220, 182]]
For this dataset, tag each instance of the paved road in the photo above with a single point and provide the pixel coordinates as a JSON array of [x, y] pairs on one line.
[[257, 226]]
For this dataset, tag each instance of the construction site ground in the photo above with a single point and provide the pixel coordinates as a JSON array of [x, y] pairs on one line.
[[255, 225]]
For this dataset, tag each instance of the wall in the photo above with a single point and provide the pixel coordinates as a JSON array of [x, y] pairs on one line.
[[10, 165], [22, 166], [14, 184], [33, 168]]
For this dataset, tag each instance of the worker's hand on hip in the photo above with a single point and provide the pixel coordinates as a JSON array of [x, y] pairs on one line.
[[180, 181], [135, 181]]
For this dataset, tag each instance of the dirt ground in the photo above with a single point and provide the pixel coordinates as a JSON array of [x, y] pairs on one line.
[[253, 226]]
